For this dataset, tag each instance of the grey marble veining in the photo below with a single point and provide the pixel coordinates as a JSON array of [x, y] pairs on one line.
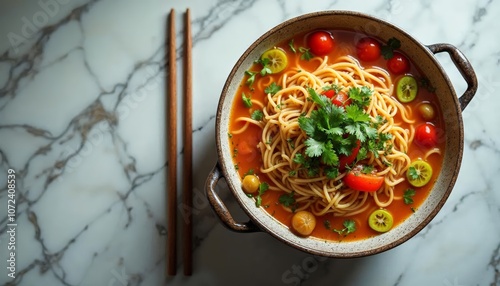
[[82, 124]]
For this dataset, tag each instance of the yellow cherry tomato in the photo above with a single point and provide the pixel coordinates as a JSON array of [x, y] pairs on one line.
[[303, 222]]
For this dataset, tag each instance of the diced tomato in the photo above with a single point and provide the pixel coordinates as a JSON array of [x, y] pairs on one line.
[[329, 93], [359, 181], [347, 160], [341, 99]]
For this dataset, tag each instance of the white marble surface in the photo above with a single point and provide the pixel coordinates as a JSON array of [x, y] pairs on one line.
[[82, 123]]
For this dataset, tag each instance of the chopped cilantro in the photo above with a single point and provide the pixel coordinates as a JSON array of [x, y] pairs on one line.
[[362, 96], [333, 131], [408, 196], [273, 88], [249, 172], [388, 50], [292, 46], [333, 87], [425, 83], [413, 173], [288, 201], [349, 227], [367, 169], [263, 187], [265, 66], [306, 54], [246, 100], [257, 115], [251, 77]]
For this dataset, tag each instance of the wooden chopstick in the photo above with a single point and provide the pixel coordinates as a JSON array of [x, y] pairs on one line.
[[188, 148], [172, 150]]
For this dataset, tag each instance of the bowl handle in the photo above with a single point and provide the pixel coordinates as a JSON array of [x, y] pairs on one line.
[[220, 209], [464, 67]]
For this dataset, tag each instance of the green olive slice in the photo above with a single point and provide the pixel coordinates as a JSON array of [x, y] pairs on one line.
[[419, 173], [380, 220], [406, 88]]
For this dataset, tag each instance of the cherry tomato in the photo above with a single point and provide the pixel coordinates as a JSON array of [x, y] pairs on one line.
[[398, 64], [303, 222], [357, 180], [347, 160], [368, 49], [320, 43], [426, 135]]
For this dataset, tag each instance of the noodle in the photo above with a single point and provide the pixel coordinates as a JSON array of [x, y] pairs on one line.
[[282, 139]]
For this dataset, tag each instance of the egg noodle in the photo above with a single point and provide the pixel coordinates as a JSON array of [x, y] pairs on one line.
[[282, 138]]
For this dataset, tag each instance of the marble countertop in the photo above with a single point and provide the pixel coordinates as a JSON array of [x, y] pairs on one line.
[[82, 122]]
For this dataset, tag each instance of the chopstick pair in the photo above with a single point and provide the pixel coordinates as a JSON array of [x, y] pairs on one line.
[[172, 148]]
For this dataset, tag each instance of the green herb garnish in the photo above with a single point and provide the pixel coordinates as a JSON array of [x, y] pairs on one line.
[[288, 201], [306, 54], [413, 173], [388, 50], [251, 77], [257, 115], [292, 46], [263, 187], [265, 66], [349, 227], [408, 196], [246, 100], [273, 88], [333, 131], [249, 172]]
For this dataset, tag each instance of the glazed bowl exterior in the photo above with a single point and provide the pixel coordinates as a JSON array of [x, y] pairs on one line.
[[419, 54]]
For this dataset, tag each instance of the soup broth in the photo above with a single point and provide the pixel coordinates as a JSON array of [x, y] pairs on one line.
[[417, 119]]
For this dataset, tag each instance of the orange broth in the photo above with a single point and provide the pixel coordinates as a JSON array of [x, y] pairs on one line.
[[246, 154]]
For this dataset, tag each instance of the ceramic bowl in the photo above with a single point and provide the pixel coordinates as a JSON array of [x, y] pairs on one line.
[[451, 105]]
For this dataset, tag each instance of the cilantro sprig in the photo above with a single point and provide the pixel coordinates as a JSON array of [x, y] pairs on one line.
[[263, 187], [388, 50], [349, 227], [246, 100], [333, 131], [288, 200], [408, 196]]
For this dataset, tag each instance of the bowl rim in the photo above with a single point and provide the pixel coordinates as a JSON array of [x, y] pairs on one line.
[[226, 167]]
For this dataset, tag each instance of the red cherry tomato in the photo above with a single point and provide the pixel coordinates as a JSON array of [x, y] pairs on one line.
[[426, 135], [347, 160], [398, 64], [320, 43], [357, 180], [368, 49]]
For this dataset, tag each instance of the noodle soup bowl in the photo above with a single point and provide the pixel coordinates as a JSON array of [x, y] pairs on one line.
[[451, 106]]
